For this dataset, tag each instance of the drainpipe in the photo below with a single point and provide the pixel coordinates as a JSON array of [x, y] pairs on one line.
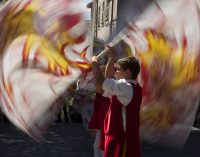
[[111, 23], [97, 12]]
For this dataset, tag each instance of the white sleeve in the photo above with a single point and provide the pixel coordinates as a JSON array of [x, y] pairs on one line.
[[121, 88]]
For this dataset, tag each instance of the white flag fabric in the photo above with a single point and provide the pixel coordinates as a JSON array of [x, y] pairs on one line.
[[44, 49], [165, 38]]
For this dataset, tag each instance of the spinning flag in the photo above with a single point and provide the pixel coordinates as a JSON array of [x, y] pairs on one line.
[[44, 48], [165, 38]]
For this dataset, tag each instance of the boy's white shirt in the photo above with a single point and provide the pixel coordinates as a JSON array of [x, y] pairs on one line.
[[122, 89]]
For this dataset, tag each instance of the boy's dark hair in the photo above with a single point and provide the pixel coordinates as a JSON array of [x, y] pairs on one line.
[[130, 63]]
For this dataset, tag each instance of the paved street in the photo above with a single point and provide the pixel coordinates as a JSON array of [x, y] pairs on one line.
[[63, 140], [71, 140], [191, 149]]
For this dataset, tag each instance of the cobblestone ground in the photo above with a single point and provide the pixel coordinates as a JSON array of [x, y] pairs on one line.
[[72, 140], [63, 140]]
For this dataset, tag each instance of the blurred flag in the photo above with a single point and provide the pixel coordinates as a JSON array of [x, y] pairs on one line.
[[44, 48], [166, 39]]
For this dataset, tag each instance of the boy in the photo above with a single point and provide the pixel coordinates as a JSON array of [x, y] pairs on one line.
[[122, 118]]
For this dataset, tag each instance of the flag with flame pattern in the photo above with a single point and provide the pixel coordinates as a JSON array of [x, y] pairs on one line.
[[44, 48], [165, 38]]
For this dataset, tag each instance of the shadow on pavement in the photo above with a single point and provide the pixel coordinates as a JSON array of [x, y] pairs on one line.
[[62, 140], [191, 148], [72, 140]]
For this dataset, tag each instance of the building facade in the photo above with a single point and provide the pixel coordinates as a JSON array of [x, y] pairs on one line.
[[110, 16], [103, 17]]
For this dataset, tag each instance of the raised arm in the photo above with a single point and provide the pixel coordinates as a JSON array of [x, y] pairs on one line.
[[109, 72], [98, 75], [97, 72]]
